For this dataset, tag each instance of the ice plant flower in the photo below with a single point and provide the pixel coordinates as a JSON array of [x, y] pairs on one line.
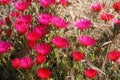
[[116, 21], [46, 3], [86, 40], [83, 24], [43, 73], [40, 59], [113, 55], [116, 6], [21, 5], [41, 30], [106, 16], [26, 62], [4, 46], [16, 63], [44, 19], [78, 56], [4, 2], [90, 73], [59, 22], [21, 27], [60, 42], [43, 48], [96, 7], [24, 18], [32, 36]]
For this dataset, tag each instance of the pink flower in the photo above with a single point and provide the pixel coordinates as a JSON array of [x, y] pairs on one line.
[[58, 22], [21, 5], [44, 19], [83, 24], [116, 21], [41, 30], [40, 59], [78, 56], [4, 2], [24, 18], [32, 36], [16, 63], [43, 73], [60, 42], [90, 73], [113, 55], [46, 3], [21, 27], [26, 63], [86, 40], [43, 48], [4, 46], [96, 7], [106, 16], [1, 22]]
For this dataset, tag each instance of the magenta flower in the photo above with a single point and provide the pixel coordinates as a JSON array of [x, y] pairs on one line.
[[116, 21], [96, 7], [41, 30], [21, 27], [24, 18], [44, 19], [60, 42], [43, 48], [4, 46], [21, 6], [43, 73], [86, 40], [16, 63], [58, 22], [40, 59], [26, 63], [83, 24], [47, 3], [32, 36]]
